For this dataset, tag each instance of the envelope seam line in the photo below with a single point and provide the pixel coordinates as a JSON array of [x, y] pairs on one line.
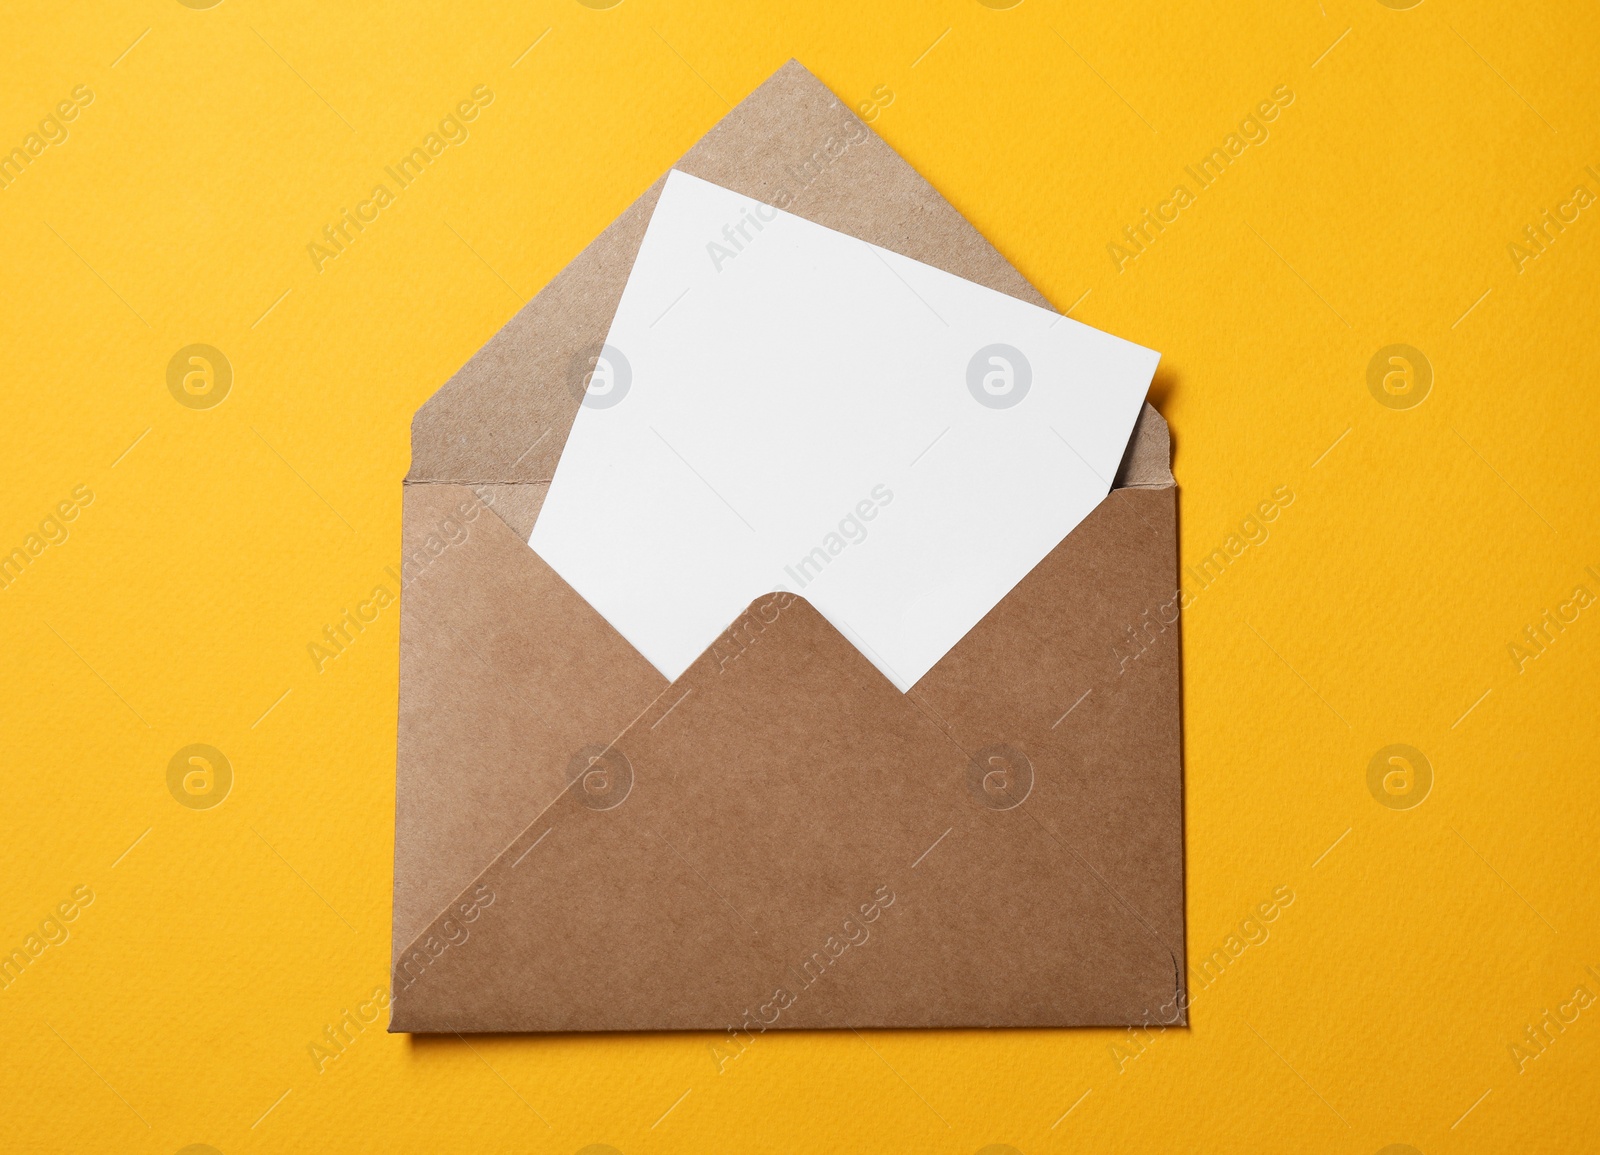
[[1072, 707], [531, 849], [929, 851], [672, 707]]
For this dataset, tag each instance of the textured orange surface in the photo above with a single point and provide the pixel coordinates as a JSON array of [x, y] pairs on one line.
[[1371, 328]]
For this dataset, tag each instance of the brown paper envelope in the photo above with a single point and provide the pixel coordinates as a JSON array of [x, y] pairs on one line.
[[779, 831]]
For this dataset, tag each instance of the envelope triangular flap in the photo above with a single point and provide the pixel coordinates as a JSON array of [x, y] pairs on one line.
[[509, 680], [1023, 802], [785, 830], [505, 674], [504, 416]]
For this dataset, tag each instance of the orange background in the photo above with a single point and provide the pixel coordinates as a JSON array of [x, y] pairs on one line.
[[1425, 538]]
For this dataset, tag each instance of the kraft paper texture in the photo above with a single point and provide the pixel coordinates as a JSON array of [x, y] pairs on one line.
[[779, 838]]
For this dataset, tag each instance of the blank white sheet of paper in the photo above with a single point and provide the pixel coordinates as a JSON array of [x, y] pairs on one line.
[[779, 406]]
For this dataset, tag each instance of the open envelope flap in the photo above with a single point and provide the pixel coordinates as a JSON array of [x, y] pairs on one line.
[[503, 418], [781, 826]]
